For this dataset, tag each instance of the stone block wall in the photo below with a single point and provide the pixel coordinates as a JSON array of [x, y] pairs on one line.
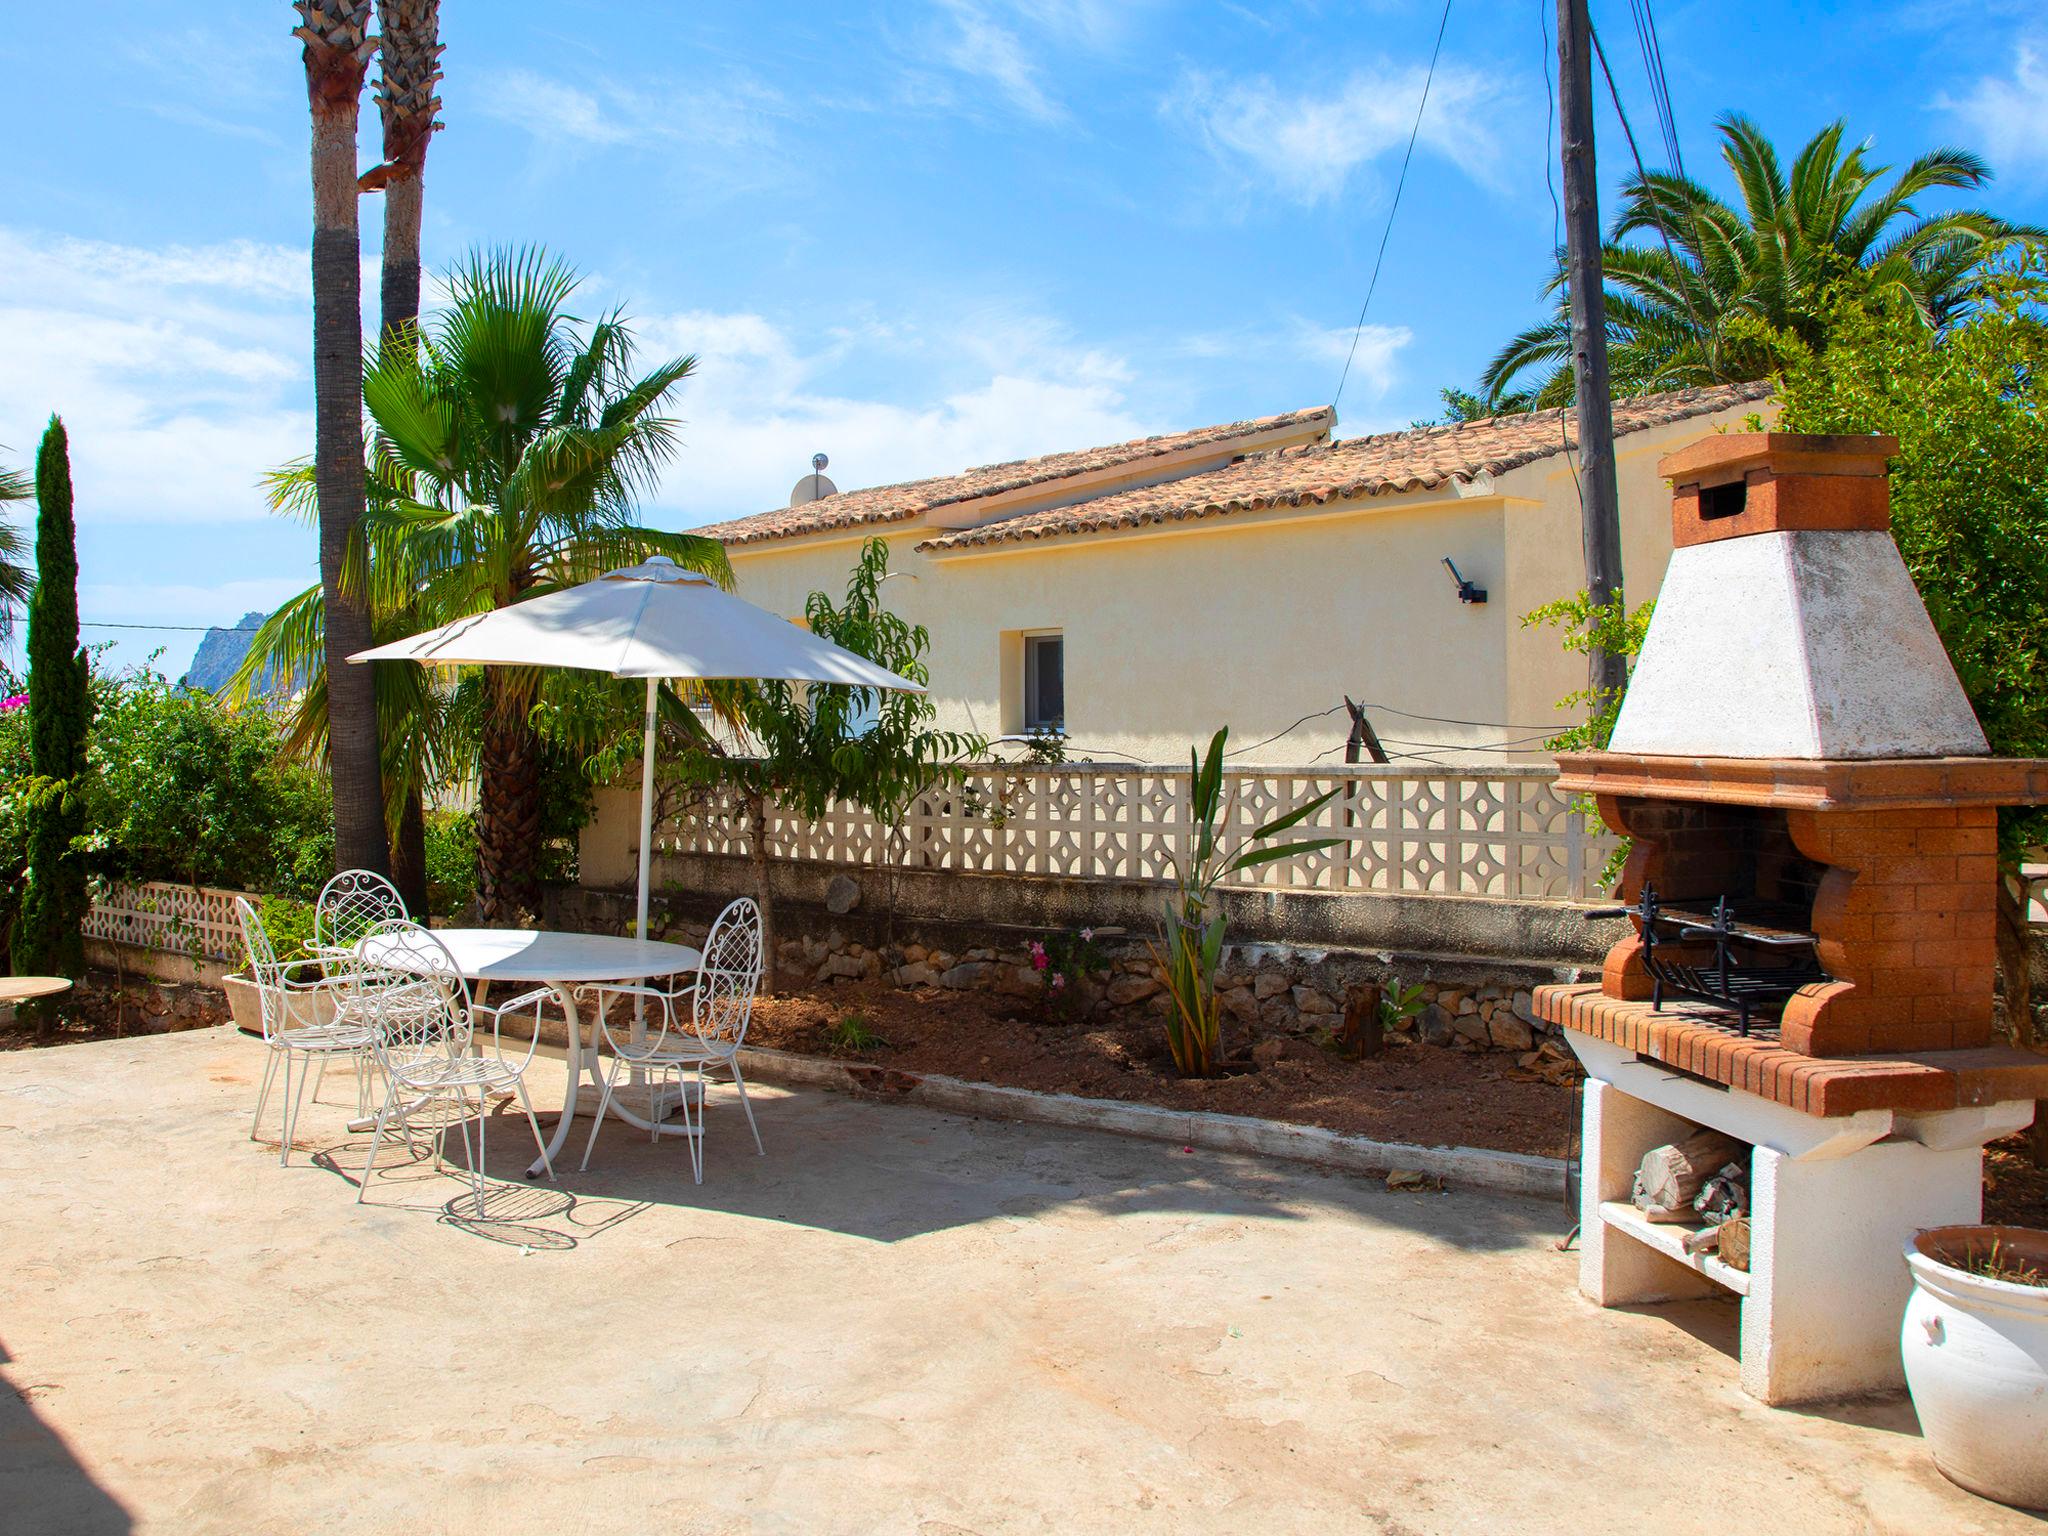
[[1269, 990]]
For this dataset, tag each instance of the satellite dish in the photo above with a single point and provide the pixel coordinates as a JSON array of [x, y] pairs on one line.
[[813, 485]]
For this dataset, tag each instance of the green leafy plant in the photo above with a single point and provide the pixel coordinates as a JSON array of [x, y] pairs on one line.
[[288, 924], [806, 746], [451, 861], [1192, 923], [1969, 513], [1399, 1004], [1619, 631], [1062, 961], [852, 1035]]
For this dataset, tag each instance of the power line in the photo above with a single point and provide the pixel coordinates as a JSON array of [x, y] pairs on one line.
[[1643, 180], [191, 629], [1395, 207]]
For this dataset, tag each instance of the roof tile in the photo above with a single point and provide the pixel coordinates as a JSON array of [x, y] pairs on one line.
[[901, 503], [1388, 462]]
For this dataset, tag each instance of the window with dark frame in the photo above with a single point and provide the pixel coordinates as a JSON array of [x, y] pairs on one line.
[[1045, 683]]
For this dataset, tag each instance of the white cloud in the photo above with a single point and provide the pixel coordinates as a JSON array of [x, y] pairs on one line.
[[608, 113], [982, 47], [180, 372], [1314, 148], [760, 405], [2008, 114]]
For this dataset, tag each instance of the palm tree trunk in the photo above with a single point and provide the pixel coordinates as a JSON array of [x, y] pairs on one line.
[[508, 804], [408, 68], [764, 891], [337, 49], [409, 853]]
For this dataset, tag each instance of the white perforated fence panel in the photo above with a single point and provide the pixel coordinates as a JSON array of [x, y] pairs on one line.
[[1504, 833]]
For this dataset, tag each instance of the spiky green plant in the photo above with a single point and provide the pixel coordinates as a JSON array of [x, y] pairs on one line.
[[1192, 922]]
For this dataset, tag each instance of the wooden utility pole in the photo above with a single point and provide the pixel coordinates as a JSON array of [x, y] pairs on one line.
[[1600, 502]]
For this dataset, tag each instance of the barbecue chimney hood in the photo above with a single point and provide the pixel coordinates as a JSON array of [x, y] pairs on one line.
[[1788, 626]]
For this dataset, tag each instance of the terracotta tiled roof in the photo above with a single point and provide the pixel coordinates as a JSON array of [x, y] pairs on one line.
[[1422, 459], [901, 503]]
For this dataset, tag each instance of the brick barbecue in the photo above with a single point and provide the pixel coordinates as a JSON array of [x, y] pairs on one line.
[[1812, 810]]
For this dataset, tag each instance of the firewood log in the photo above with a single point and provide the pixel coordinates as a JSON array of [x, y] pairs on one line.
[[1671, 1175], [1735, 1243]]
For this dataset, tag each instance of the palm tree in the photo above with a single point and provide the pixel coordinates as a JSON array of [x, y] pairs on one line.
[[408, 68], [17, 581], [509, 451], [337, 48], [1695, 287]]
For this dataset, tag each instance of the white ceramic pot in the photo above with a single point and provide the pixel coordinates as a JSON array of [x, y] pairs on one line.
[[1976, 1357]]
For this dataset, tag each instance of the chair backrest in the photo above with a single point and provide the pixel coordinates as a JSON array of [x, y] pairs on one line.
[[729, 975], [351, 904], [413, 993], [263, 968]]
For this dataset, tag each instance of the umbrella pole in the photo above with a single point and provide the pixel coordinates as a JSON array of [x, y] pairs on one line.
[[646, 851]]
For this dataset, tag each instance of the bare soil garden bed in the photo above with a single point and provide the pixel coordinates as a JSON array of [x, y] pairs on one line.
[[1413, 1093], [102, 1008]]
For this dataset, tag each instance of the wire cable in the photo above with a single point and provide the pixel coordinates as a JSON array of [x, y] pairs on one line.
[[1395, 207], [186, 629]]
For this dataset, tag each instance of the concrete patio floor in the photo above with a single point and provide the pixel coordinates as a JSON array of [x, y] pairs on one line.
[[897, 1321]]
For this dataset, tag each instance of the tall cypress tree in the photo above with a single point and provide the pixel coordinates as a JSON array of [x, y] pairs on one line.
[[49, 938]]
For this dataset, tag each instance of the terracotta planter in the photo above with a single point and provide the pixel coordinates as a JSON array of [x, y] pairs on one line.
[[245, 1005], [1976, 1357]]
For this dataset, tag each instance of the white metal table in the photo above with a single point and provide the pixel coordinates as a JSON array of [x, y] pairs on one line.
[[563, 962]]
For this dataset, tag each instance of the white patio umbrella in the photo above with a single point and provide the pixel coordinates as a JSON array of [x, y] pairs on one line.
[[654, 620]]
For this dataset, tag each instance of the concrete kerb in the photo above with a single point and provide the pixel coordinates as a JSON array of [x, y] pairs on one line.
[[1507, 1173]]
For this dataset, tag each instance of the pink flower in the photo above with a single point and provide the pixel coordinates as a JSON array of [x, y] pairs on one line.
[[1087, 934], [1038, 957], [1059, 980], [13, 701]]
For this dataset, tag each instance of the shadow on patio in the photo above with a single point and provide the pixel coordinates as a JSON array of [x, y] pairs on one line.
[[47, 1489], [882, 1172]]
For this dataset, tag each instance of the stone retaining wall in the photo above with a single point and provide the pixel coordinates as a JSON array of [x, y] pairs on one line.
[[1269, 990]]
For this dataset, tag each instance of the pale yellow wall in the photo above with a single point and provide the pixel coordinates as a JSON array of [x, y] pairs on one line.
[[1257, 619], [1546, 561]]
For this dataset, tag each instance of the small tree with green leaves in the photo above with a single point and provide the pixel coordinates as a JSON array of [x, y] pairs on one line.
[[810, 745], [1192, 922], [49, 937], [1969, 512]]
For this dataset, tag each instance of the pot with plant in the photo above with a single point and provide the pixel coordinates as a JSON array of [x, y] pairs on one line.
[[1192, 923], [1975, 1343]]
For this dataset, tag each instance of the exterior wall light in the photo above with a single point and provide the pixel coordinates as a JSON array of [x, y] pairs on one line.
[[1467, 593]]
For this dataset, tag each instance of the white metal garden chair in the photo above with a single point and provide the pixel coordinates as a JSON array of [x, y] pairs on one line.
[[719, 1001], [349, 906], [425, 1041], [298, 1021]]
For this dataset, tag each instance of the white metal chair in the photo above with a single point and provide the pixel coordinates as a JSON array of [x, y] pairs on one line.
[[349, 906], [425, 1040], [721, 1001], [296, 1022]]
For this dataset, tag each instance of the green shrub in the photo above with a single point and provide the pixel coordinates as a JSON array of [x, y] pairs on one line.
[[186, 789], [288, 924], [451, 862]]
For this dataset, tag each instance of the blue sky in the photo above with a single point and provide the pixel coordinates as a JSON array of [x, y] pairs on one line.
[[917, 235]]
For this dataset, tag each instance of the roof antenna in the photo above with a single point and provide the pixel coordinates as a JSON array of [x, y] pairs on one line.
[[813, 486]]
